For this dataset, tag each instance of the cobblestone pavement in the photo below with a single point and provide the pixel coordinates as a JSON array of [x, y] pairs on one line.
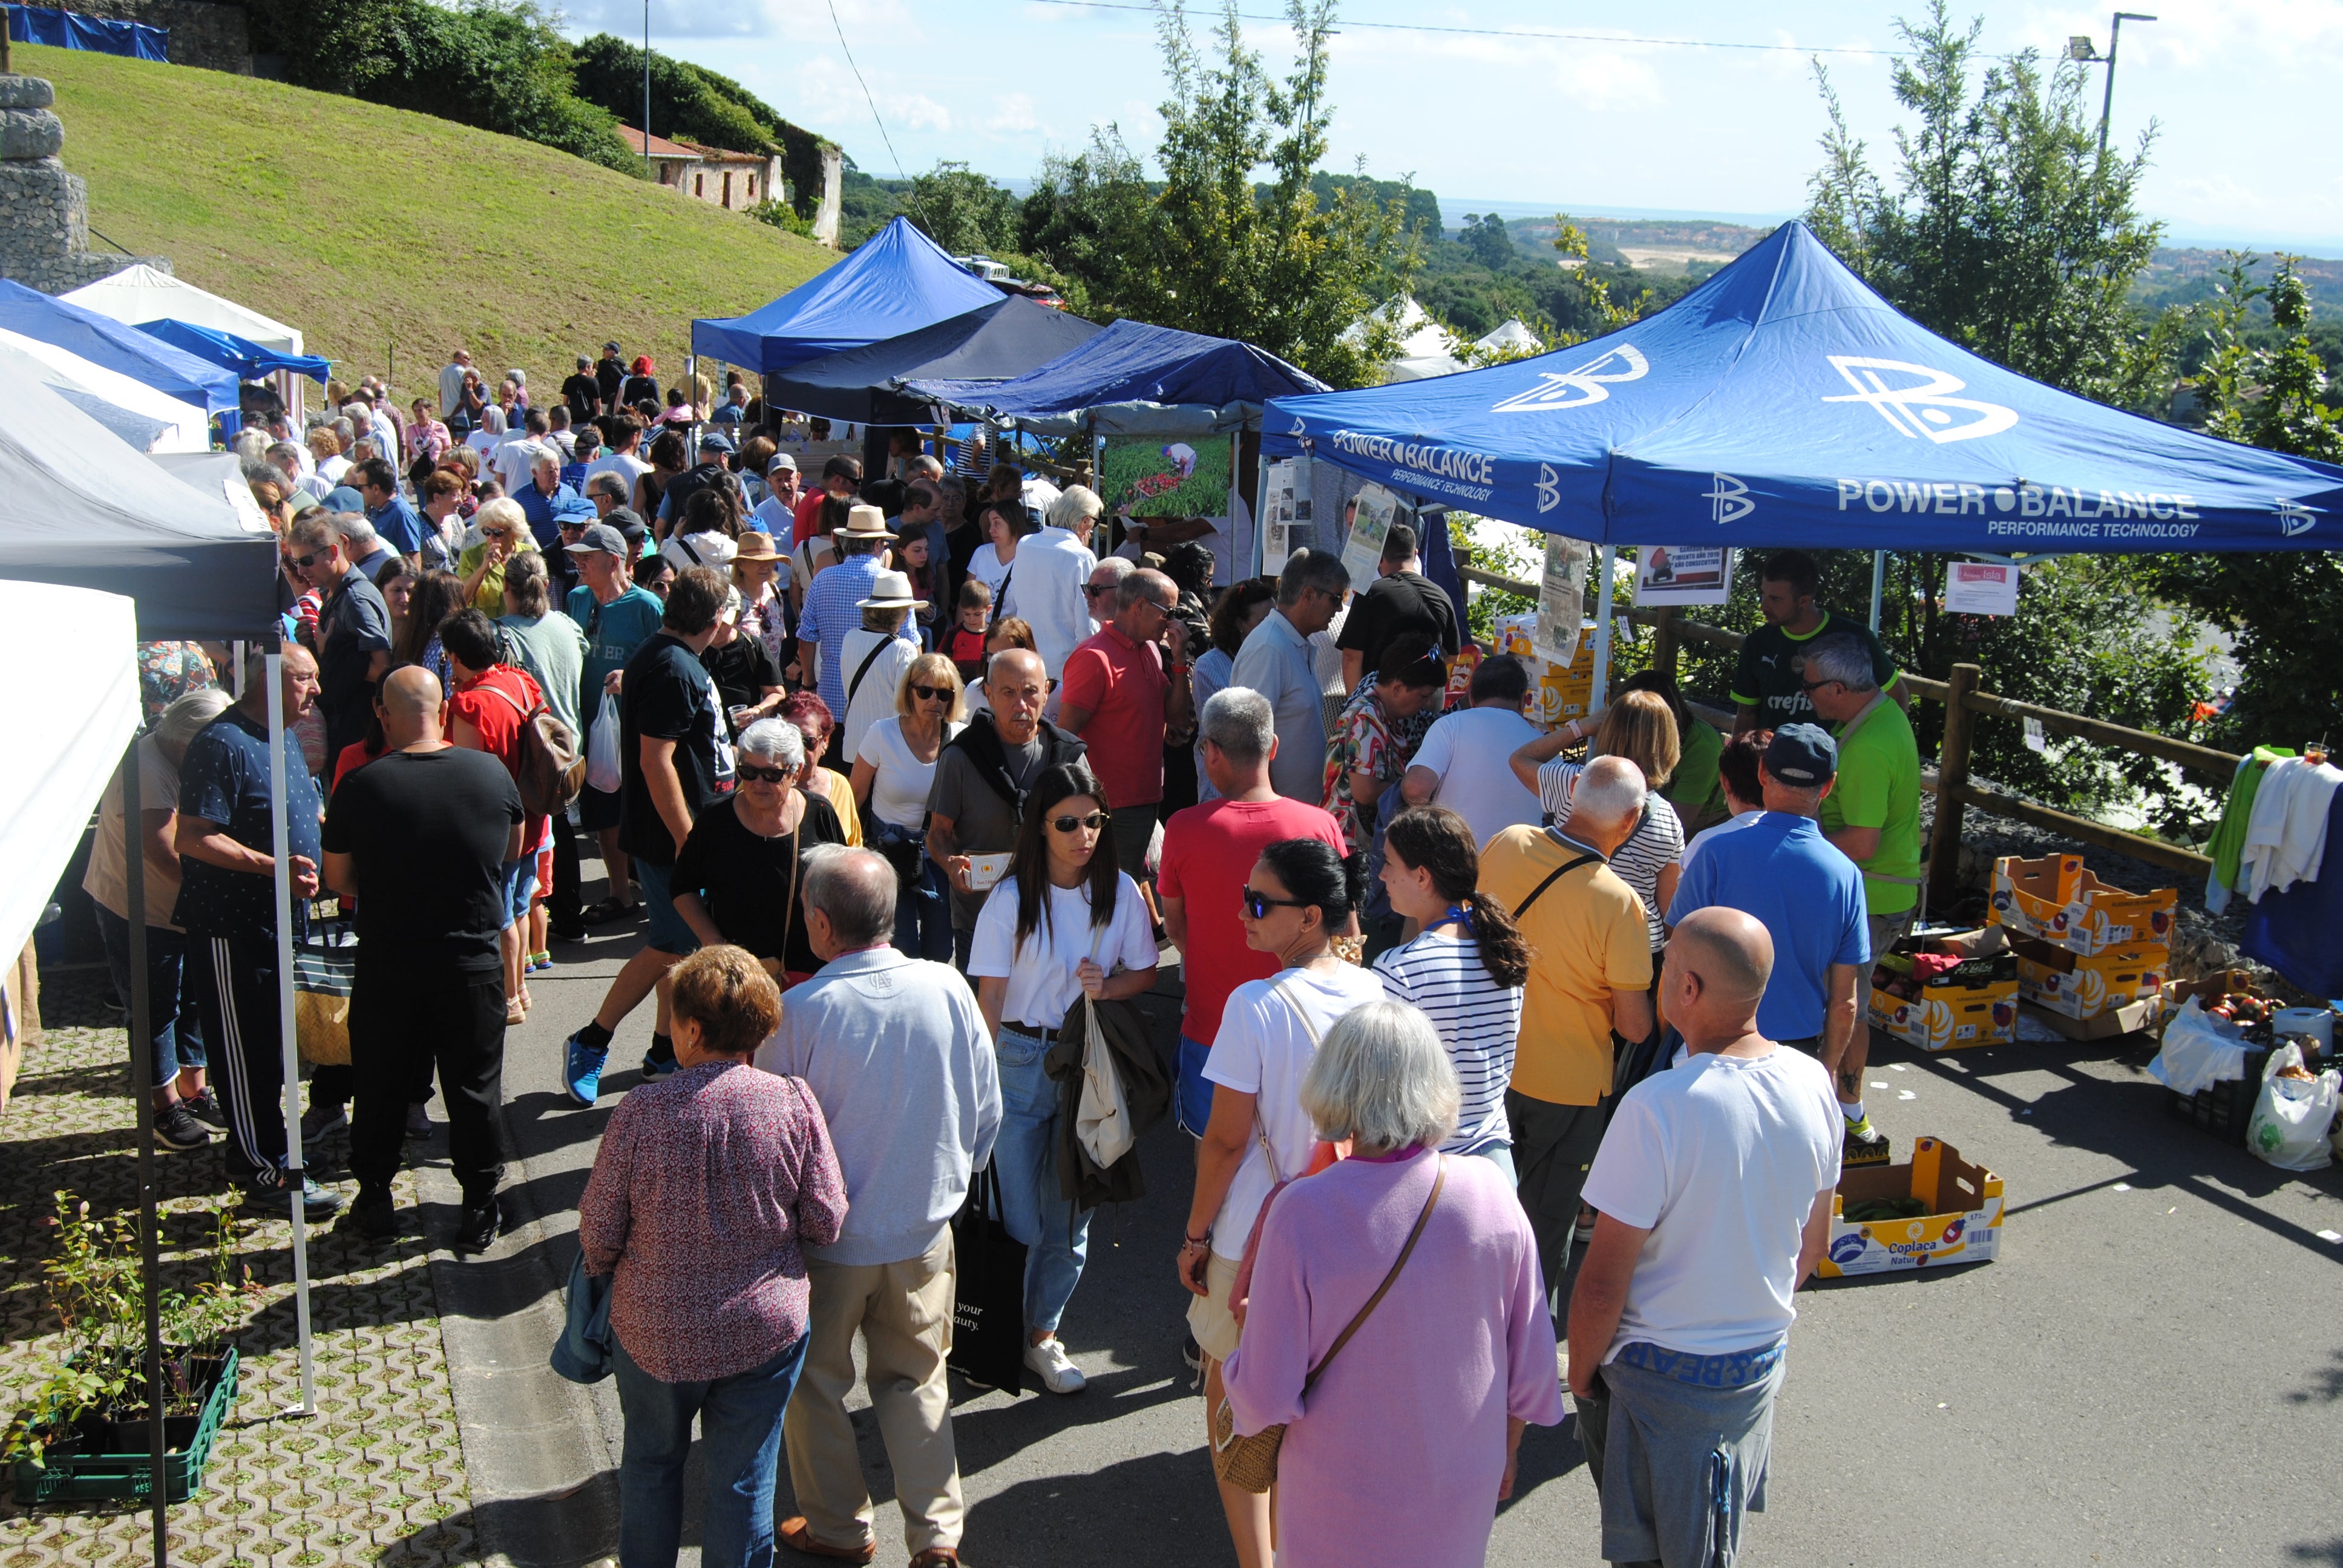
[[377, 1476]]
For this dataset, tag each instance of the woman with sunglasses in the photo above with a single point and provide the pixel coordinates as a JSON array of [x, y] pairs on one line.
[[1064, 924], [811, 714], [741, 877], [504, 533], [1294, 900], [893, 773]]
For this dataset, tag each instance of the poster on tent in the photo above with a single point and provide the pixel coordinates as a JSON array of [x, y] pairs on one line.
[[1278, 511], [1144, 478], [1979, 587], [1562, 601], [1371, 516], [1683, 574]]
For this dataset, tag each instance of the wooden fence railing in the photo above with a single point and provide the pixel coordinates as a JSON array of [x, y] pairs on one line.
[[1963, 703]]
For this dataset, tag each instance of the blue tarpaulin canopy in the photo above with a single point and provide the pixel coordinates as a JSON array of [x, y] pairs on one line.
[[1133, 379], [102, 340], [992, 343], [71, 30], [1784, 403], [240, 356], [895, 282]]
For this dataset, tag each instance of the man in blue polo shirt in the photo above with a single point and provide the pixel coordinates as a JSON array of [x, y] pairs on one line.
[[547, 502], [1809, 898], [393, 518]]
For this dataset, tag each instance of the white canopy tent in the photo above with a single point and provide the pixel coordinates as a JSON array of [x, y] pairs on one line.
[[1513, 337], [148, 419], [141, 294], [1423, 344]]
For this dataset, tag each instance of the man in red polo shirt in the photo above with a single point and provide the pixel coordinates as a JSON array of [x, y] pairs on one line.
[[1117, 695]]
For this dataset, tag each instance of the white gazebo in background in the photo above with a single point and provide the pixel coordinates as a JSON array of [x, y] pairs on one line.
[[140, 294]]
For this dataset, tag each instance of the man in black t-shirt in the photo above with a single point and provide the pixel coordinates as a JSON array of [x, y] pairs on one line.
[[1769, 682], [1401, 601], [673, 760], [582, 392], [352, 629], [420, 836], [609, 375]]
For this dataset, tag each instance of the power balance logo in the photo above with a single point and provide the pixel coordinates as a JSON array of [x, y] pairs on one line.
[[1728, 500], [1917, 400], [1590, 383]]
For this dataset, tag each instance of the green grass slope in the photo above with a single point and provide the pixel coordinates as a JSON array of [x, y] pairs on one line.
[[380, 232]]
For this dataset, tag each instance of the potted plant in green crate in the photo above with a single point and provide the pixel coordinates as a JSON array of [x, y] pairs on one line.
[[87, 1431]]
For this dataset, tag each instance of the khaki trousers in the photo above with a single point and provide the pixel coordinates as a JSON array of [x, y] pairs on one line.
[[904, 1312]]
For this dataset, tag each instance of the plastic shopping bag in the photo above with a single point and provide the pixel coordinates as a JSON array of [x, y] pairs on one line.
[[2292, 1115], [602, 770], [2200, 1051]]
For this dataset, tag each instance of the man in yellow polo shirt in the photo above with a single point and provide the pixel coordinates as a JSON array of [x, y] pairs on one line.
[[1873, 817], [1590, 977]]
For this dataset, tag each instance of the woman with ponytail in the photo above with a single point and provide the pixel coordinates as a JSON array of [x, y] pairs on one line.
[[1465, 970]]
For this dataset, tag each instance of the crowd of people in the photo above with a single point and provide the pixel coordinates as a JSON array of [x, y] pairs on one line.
[[1484, 1047]]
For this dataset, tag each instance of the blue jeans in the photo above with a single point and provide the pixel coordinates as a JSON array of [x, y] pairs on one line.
[[1500, 1155], [1025, 1154], [664, 930], [179, 1033], [923, 927], [740, 1446], [1192, 1097]]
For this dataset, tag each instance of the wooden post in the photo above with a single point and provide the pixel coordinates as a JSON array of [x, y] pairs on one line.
[[1663, 641], [1952, 777]]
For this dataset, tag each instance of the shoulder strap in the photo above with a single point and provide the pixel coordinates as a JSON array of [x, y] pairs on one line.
[[864, 668], [1552, 878], [1439, 1180]]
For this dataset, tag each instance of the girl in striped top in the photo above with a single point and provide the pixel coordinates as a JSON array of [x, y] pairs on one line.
[[1640, 728], [1465, 971]]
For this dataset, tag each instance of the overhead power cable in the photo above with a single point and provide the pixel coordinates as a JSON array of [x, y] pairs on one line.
[[1350, 23], [911, 196]]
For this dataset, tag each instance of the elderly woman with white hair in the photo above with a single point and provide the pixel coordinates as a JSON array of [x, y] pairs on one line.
[[1396, 1322], [1052, 571], [741, 877], [183, 1103]]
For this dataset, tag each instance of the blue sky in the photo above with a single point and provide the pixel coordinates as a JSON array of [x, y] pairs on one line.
[[1598, 123]]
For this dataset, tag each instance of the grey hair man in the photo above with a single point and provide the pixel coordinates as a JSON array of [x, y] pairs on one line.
[[897, 1054], [1126, 693], [1873, 817], [607, 490], [1208, 849], [1278, 661], [1053, 567], [1714, 1193], [1589, 982]]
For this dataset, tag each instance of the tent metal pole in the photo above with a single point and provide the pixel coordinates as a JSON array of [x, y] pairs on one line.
[[1878, 586], [295, 1176], [142, 1083], [1603, 626]]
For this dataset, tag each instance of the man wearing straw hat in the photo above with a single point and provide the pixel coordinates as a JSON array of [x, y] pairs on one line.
[[833, 610], [873, 659]]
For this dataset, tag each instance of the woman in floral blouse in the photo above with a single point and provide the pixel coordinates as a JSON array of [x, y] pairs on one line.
[[1364, 758], [427, 437], [708, 1186]]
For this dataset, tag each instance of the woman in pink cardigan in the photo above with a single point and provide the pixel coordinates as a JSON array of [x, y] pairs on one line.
[[1405, 1444]]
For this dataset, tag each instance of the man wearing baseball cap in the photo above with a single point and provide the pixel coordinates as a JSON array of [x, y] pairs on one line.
[[777, 513], [1809, 897], [618, 619]]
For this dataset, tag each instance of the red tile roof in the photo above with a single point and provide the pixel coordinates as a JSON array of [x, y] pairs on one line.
[[660, 147]]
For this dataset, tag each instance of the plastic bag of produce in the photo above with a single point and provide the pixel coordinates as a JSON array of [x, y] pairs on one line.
[[2294, 1113], [2200, 1051]]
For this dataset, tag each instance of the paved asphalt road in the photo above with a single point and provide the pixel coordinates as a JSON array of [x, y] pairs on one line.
[[2152, 1374]]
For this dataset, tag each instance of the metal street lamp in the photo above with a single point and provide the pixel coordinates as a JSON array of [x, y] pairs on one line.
[[2082, 51]]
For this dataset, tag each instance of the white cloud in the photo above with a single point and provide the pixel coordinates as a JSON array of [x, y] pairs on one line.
[[918, 112], [1012, 115]]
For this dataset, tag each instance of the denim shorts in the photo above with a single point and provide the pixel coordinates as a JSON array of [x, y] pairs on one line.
[[520, 887], [1192, 1101], [665, 930]]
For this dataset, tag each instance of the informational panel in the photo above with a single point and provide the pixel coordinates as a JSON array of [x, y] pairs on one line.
[[1561, 600], [1371, 516], [1683, 574], [1977, 587]]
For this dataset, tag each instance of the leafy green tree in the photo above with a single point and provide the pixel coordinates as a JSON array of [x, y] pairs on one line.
[[690, 103], [1488, 239], [961, 210]]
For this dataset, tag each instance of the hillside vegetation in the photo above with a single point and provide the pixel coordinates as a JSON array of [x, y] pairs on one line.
[[379, 232]]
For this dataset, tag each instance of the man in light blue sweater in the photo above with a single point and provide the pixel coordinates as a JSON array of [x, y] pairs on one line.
[[897, 1054]]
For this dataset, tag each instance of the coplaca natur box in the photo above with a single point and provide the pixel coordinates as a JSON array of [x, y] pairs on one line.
[[2055, 899], [2064, 981], [1973, 1003], [1962, 1222]]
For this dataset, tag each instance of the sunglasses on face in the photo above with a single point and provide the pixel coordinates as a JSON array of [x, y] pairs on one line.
[[1095, 590], [303, 563], [749, 773], [1257, 904], [1094, 822], [932, 693]]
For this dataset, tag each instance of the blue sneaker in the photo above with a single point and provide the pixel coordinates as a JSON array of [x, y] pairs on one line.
[[656, 1067], [581, 1070]]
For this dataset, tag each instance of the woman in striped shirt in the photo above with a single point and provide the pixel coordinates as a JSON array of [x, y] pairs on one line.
[[1465, 970], [1640, 728]]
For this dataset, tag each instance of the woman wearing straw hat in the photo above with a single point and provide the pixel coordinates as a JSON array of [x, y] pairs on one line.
[[872, 661], [762, 573]]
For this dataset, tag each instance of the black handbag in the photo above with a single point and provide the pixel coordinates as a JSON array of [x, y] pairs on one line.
[[988, 1344]]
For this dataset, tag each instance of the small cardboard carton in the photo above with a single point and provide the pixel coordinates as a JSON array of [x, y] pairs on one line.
[[2055, 899], [1973, 1003], [1560, 692], [2208, 989], [2105, 1024], [1961, 1225], [2061, 980]]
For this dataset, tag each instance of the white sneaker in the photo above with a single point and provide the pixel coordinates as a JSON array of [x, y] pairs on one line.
[[1056, 1369]]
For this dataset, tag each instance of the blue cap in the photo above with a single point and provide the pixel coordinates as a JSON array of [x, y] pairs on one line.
[[715, 441], [1802, 754], [342, 499]]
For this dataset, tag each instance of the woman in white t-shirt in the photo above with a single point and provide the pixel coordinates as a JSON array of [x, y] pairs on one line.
[[894, 769], [1295, 901], [994, 558], [1064, 924], [1466, 971]]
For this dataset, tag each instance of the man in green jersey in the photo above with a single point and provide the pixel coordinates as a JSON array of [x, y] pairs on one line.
[[1768, 688], [1873, 817]]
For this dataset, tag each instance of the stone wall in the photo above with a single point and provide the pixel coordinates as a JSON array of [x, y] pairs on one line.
[[204, 33], [44, 209]]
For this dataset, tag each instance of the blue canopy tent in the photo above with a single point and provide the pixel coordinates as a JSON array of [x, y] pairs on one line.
[[1784, 403], [248, 360], [1133, 379], [61, 29], [993, 343], [897, 281], [102, 340]]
